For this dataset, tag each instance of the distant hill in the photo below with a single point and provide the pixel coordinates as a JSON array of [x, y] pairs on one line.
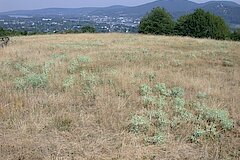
[[230, 11]]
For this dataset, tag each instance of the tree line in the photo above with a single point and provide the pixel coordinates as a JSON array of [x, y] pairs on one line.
[[84, 29], [199, 24], [4, 32]]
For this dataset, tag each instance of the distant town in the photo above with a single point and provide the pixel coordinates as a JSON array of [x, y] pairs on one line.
[[55, 24]]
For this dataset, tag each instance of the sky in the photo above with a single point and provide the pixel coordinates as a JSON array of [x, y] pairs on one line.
[[8, 5]]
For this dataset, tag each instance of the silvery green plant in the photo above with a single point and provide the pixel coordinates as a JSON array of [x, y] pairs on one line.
[[215, 115], [149, 100], [30, 78], [69, 82], [197, 134], [83, 74], [211, 122], [145, 90], [47, 67], [177, 92], [139, 124], [161, 102], [73, 66], [84, 59], [158, 138], [180, 110], [160, 119], [161, 88], [89, 81]]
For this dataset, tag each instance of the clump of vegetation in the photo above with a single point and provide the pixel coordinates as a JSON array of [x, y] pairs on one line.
[[32, 77], [89, 82], [162, 89], [73, 66], [167, 109], [178, 92], [69, 82], [158, 138], [145, 90], [219, 117], [158, 21], [59, 56], [139, 124], [76, 63], [88, 29]]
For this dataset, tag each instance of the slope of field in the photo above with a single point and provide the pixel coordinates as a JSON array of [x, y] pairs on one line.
[[119, 96]]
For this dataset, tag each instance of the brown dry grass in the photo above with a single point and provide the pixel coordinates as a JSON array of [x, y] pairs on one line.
[[53, 123]]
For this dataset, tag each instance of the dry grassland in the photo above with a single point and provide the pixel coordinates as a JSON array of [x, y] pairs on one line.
[[119, 96]]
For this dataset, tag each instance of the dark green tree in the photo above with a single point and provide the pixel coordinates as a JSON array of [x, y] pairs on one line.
[[202, 24], [236, 35], [3, 32], [158, 21], [88, 29], [181, 26]]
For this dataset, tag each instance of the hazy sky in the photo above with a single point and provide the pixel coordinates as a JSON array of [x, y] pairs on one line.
[[6, 5]]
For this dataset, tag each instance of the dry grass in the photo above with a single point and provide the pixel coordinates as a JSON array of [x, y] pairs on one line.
[[84, 111]]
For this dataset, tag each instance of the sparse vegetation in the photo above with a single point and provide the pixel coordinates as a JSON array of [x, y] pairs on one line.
[[69, 96]]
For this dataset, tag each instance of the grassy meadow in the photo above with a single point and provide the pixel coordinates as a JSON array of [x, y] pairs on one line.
[[119, 96]]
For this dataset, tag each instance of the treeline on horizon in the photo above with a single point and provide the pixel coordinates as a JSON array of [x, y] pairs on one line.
[[84, 29], [199, 24]]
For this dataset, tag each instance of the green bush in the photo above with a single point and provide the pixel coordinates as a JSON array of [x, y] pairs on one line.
[[202, 24], [88, 29], [158, 21]]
